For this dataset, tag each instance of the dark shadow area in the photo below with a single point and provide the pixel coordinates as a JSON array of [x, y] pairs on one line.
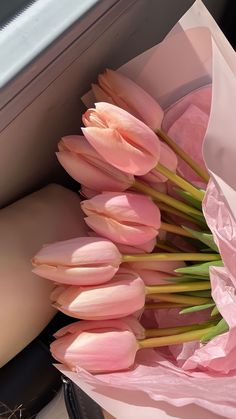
[[11, 8], [227, 22]]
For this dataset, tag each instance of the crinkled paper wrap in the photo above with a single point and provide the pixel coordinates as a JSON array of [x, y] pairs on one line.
[[195, 53]]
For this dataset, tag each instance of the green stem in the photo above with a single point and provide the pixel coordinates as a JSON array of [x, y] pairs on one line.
[[172, 228], [179, 181], [184, 287], [166, 247], [159, 306], [182, 299], [184, 156], [174, 339], [174, 211], [168, 331], [159, 196], [144, 257]]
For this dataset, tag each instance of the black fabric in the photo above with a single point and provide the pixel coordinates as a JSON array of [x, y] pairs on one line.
[[227, 22], [78, 404], [59, 321], [28, 382]]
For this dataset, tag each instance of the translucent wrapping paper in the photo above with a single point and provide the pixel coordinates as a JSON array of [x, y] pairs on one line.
[[193, 56]]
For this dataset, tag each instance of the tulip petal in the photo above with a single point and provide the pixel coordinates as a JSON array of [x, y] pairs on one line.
[[88, 275], [128, 95], [126, 323], [86, 174], [83, 260], [120, 232], [141, 248], [111, 128], [79, 251], [118, 152], [96, 352], [113, 300], [94, 177], [124, 207], [132, 128], [100, 95]]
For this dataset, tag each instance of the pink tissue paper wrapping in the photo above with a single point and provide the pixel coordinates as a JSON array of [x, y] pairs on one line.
[[192, 377]]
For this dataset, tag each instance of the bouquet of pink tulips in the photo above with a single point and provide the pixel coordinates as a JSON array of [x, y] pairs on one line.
[[156, 269], [119, 270]]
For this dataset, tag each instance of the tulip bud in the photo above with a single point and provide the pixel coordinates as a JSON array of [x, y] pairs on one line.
[[129, 323], [126, 94], [86, 166], [121, 139], [125, 218], [101, 96], [146, 247], [79, 261], [122, 296], [101, 349]]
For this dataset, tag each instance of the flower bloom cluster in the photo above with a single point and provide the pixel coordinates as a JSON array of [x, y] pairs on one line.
[[112, 277]]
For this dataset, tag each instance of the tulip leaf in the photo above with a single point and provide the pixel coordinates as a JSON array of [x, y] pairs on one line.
[[215, 311], [203, 237], [196, 308], [200, 219], [200, 269], [202, 293], [206, 250], [220, 328], [189, 198]]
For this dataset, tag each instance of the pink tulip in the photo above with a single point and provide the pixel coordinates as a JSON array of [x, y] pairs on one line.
[[141, 248], [103, 348], [122, 296], [123, 92], [129, 323], [127, 250], [155, 272], [79, 261], [121, 139], [168, 159], [87, 167], [126, 218], [101, 96]]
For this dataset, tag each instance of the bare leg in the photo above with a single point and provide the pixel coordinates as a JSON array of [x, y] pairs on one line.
[[49, 215]]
